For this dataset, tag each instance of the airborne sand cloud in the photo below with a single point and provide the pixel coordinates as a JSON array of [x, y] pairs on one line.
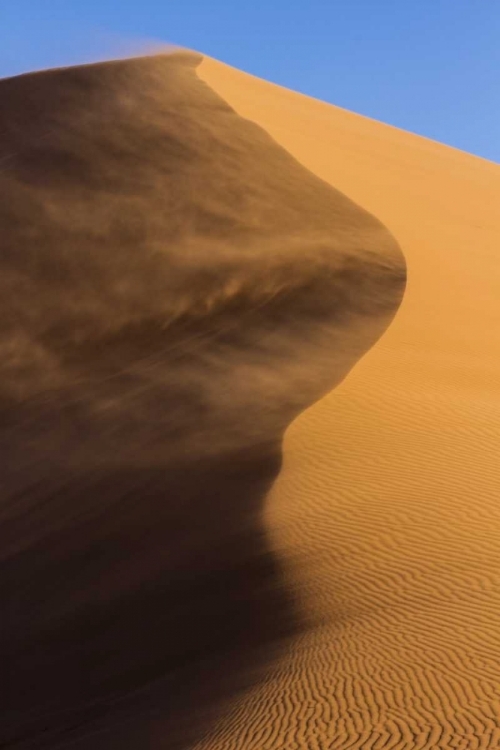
[[176, 288]]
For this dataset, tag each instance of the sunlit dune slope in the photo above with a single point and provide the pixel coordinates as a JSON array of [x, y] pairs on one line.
[[175, 288], [389, 495]]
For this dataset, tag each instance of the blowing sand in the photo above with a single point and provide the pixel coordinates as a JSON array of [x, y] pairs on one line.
[[390, 484], [175, 289]]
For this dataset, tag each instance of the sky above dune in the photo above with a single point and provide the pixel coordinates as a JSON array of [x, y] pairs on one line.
[[431, 67]]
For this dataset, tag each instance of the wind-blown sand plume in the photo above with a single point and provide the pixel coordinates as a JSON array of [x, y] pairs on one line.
[[175, 288], [390, 485]]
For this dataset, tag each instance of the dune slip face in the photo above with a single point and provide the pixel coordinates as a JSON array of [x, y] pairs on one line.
[[175, 289], [387, 502]]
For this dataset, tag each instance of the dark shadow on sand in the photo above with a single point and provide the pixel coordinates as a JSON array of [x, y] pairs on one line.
[[145, 589]]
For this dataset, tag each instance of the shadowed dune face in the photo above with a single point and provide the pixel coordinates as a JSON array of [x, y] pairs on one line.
[[175, 288]]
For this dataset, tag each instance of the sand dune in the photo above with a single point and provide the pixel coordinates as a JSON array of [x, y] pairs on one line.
[[190, 258], [390, 485], [176, 288]]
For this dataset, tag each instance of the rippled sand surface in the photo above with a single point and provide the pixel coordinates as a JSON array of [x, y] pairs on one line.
[[387, 505]]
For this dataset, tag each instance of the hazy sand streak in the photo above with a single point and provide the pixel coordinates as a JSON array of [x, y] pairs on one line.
[[175, 288], [390, 485]]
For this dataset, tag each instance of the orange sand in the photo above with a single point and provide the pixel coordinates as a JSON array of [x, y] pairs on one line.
[[177, 287], [390, 484]]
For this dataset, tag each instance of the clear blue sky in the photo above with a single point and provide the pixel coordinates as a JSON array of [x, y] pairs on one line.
[[432, 66]]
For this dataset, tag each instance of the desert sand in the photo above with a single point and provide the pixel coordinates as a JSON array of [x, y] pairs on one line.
[[250, 414], [391, 483]]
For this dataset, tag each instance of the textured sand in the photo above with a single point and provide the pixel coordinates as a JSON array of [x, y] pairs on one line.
[[175, 289], [388, 501], [190, 257]]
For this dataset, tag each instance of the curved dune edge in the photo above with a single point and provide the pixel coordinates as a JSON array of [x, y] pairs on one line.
[[389, 491], [175, 289]]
